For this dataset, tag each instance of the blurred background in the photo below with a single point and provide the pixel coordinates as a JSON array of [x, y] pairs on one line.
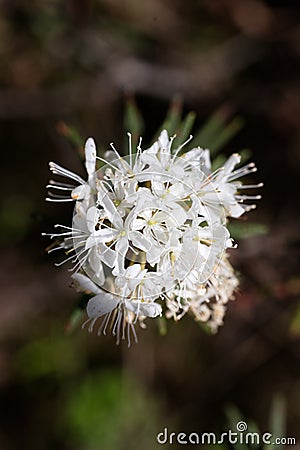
[[67, 71]]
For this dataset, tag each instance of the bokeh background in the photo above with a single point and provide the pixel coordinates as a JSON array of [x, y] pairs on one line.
[[67, 70]]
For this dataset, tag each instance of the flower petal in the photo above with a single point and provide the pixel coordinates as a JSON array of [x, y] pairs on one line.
[[111, 211], [139, 240], [101, 304], [147, 309], [85, 283], [150, 309], [101, 236], [137, 224], [90, 157], [92, 217]]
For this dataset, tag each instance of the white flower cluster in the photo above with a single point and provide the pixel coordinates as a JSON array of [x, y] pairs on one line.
[[149, 234]]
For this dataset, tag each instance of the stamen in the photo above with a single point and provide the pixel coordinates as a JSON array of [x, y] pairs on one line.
[[250, 186], [128, 334], [133, 332], [84, 323], [109, 164], [61, 188], [57, 225], [248, 197], [139, 149], [61, 247], [64, 261], [52, 235], [181, 146], [109, 186], [61, 184], [249, 168], [107, 322], [213, 176], [130, 149], [123, 329], [70, 258], [91, 327], [57, 200], [249, 207], [103, 326], [59, 170], [114, 149], [119, 314]]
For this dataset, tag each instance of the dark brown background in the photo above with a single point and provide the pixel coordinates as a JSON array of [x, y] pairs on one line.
[[74, 62]]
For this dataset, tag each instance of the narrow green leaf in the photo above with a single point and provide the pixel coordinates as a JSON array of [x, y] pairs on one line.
[[233, 415], [245, 155], [240, 230], [185, 128], [204, 327], [133, 120], [215, 133], [173, 116], [162, 326], [217, 162], [211, 128], [74, 320], [226, 135], [73, 137], [235, 418], [278, 420]]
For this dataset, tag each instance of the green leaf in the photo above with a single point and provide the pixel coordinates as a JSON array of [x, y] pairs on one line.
[[215, 133], [234, 417], [240, 230], [204, 327], [245, 155], [185, 128], [75, 319], [278, 420], [162, 326], [226, 135], [173, 117], [72, 135], [133, 120], [218, 161], [214, 125]]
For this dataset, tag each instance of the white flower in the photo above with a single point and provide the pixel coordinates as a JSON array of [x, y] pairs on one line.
[[161, 164], [83, 191], [123, 194], [220, 195], [128, 282], [202, 249], [119, 312], [205, 301], [76, 239], [151, 228], [119, 233], [159, 227]]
